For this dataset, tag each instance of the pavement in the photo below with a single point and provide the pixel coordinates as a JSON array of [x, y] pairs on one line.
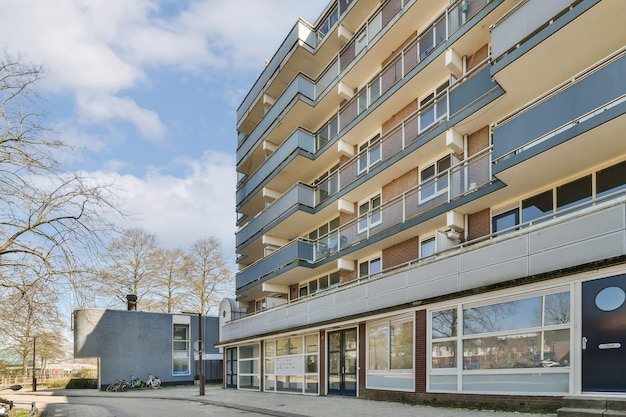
[[56, 404]]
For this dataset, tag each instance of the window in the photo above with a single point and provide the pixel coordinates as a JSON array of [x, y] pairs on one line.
[[328, 132], [260, 305], [326, 238], [433, 107], [573, 193], [520, 338], [428, 247], [370, 214], [537, 206], [180, 349], [369, 154], [390, 354], [249, 367], [434, 178], [291, 364], [505, 221], [370, 267], [321, 283], [611, 180]]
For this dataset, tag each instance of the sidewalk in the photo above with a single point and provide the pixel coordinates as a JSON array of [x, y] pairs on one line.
[[279, 405]]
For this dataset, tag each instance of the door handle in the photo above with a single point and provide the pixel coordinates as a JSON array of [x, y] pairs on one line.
[[584, 343], [343, 370]]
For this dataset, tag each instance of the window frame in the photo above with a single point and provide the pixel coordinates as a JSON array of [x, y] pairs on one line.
[[373, 216]]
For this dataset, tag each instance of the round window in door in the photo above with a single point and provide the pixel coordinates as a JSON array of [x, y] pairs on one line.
[[610, 298]]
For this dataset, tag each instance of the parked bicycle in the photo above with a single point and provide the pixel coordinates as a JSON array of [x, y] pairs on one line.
[[136, 383], [153, 382], [118, 385]]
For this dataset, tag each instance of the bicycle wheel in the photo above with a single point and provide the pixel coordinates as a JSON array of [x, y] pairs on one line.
[[112, 387]]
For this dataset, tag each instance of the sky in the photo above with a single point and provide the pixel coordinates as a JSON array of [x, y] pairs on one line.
[[147, 92]]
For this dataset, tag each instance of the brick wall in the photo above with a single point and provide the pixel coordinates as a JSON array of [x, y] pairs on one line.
[[398, 117], [401, 253], [478, 224], [399, 185], [420, 350], [478, 141]]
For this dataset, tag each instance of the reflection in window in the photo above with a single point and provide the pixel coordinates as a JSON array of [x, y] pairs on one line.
[[573, 193], [537, 206], [526, 333], [522, 350], [610, 180], [390, 354], [444, 323], [505, 221]]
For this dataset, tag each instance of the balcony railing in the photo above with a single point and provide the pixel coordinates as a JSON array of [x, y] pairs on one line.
[[603, 215], [588, 94], [462, 178], [452, 100]]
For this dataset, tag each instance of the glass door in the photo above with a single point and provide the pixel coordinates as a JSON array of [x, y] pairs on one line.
[[231, 367], [342, 362]]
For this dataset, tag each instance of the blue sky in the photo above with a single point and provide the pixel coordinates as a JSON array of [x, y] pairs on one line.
[[147, 91]]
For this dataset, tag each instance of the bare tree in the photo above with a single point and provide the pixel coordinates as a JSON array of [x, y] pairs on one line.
[[30, 313], [51, 221], [169, 290], [210, 279], [131, 268]]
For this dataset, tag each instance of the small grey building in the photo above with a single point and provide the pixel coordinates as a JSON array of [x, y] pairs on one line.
[[136, 343]]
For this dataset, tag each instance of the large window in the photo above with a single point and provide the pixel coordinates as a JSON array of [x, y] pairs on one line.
[[319, 284], [180, 349], [390, 354], [571, 195], [291, 365], [248, 362], [517, 345]]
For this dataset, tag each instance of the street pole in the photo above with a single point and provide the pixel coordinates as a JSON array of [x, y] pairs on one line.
[[34, 368], [200, 347]]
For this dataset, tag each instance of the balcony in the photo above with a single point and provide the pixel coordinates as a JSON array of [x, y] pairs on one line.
[[537, 44], [425, 48], [588, 234], [473, 91], [300, 143], [400, 213], [586, 115]]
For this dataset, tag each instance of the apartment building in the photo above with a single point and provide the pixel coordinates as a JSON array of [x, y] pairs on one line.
[[432, 204]]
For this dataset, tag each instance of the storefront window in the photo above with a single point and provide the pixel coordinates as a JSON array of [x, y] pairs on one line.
[[292, 364], [390, 354], [522, 340]]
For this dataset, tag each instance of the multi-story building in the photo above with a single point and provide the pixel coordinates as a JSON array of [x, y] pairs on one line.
[[432, 204]]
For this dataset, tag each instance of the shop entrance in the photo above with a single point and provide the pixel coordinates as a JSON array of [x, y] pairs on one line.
[[342, 362], [604, 335]]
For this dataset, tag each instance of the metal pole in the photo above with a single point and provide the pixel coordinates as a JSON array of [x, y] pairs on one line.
[[200, 347], [34, 369]]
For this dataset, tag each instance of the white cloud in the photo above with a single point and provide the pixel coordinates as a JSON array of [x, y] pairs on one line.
[[180, 211], [103, 107]]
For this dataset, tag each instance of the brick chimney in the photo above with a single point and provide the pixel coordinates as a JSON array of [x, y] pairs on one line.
[[132, 302]]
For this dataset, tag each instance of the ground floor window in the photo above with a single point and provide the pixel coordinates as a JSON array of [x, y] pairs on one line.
[[180, 349], [249, 368], [292, 364], [390, 354], [519, 345]]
